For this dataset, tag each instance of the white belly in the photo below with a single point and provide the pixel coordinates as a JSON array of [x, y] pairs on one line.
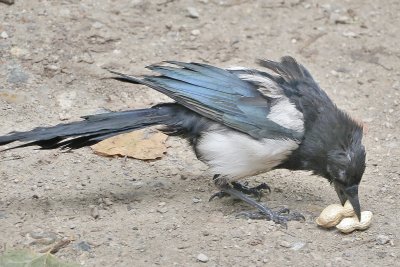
[[234, 155]]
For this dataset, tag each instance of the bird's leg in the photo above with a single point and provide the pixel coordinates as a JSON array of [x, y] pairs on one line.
[[269, 214], [256, 191], [219, 194]]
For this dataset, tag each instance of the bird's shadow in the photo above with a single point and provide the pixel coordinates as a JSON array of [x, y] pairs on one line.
[[148, 193], [74, 199]]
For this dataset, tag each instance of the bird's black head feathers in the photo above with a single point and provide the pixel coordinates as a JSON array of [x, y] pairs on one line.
[[332, 147], [346, 158], [332, 144]]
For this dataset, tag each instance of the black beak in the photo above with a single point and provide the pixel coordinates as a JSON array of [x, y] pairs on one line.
[[349, 193]]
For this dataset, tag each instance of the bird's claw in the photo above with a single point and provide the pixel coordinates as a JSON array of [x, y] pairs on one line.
[[262, 186]]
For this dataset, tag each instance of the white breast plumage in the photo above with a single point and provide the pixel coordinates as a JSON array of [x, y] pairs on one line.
[[235, 155]]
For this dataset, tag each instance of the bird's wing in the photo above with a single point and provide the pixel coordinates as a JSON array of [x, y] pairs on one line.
[[222, 96]]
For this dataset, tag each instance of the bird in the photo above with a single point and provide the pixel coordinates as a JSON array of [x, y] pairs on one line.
[[240, 121]]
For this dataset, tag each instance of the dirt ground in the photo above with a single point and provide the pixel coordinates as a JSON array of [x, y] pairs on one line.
[[53, 56]]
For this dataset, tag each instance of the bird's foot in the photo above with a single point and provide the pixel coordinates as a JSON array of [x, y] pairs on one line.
[[281, 216], [256, 191]]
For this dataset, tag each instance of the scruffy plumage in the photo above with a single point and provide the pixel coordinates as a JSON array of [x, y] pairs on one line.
[[240, 122]]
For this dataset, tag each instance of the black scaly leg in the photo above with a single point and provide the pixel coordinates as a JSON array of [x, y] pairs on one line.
[[281, 216], [219, 194], [255, 191]]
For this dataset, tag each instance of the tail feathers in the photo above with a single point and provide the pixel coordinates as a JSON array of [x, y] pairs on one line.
[[91, 130]]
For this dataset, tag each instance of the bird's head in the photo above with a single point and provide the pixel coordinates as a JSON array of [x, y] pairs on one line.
[[345, 168]]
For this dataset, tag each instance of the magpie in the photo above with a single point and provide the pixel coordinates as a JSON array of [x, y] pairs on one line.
[[240, 121]]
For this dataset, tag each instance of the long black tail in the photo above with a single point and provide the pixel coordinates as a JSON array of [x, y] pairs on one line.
[[93, 128]]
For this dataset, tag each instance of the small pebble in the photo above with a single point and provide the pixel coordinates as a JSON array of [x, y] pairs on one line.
[[51, 67], [335, 73], [4, 35], [195, 32], [285, 244], [107, 201], [97, 25], [83, 245], [193, 13], [298, 245], [196, 200], [206, 233], [339, 19], [202, 258], [94, 212], [162, 210], [349, 34], [382, 239]]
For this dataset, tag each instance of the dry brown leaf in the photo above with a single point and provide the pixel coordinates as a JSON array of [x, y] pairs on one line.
[[141, 144]]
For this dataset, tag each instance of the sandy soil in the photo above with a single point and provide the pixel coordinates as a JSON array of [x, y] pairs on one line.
[[53, 56]]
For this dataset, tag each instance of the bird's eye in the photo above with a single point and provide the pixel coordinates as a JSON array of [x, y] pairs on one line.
[[342, 174]]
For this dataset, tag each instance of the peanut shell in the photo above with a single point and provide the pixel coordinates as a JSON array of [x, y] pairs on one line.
[[348, 225], [333, 214]]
